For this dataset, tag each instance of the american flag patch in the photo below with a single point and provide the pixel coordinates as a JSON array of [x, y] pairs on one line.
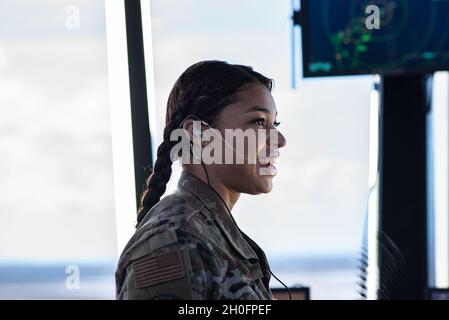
[[149, 270]]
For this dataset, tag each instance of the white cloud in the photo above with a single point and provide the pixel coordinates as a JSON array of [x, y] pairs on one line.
[[3, 59], [56, 175]]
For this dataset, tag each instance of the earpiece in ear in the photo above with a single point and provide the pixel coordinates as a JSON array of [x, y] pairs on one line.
[[196, 149]]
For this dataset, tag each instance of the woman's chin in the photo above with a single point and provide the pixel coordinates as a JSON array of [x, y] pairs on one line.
[[265, 184]]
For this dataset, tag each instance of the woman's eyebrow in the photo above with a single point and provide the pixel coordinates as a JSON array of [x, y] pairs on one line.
[[259, 108]]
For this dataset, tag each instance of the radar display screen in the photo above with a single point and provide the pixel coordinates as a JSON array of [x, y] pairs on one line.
[[347, 37]]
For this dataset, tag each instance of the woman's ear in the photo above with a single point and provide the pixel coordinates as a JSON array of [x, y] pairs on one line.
[[187, 125], [194, 129]]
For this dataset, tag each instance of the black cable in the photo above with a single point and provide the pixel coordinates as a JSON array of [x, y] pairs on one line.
[[235, 223], [232, 218], [288, 290], [208, 181]]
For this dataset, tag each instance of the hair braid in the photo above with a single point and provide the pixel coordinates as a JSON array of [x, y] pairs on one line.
[[156, 183]]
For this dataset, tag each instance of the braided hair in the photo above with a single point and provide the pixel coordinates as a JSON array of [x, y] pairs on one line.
[[203, 90]]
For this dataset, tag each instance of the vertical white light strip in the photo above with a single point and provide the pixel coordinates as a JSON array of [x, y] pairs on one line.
[[374, 138], [441, 177], [430, 199], [149, 66], [122, 145], [373, 200]]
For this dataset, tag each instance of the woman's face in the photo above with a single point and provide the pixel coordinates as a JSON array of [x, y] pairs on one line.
[[255, 111]]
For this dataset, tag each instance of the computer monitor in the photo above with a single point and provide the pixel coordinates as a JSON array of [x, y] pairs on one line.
[[340, 37]]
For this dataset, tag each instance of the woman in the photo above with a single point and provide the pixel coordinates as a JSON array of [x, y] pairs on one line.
[[187, 245]]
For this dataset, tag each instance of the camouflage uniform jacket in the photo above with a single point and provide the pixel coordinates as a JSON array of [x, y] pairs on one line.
[[189, 247]]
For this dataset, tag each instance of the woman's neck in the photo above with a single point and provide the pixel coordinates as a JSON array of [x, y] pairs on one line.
[[228, 195]]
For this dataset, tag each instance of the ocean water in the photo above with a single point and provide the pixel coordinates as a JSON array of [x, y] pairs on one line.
[[327, 278]]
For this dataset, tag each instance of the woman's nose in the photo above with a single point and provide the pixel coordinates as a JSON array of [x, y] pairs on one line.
[[281, 140], [277, 140]]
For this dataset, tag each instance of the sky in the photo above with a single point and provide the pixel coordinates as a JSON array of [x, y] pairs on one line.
[[56, 181]]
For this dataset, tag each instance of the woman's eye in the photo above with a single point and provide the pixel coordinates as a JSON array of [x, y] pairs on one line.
[[262, 122]]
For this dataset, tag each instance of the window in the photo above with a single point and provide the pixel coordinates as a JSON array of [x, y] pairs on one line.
[[56, 177]]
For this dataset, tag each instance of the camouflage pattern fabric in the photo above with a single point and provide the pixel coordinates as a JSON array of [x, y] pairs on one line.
[[189, 247]]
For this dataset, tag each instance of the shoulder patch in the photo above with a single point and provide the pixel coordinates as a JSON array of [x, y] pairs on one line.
[[151, 270]]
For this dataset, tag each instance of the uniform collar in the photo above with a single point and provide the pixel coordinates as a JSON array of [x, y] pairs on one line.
[[190, 183]]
